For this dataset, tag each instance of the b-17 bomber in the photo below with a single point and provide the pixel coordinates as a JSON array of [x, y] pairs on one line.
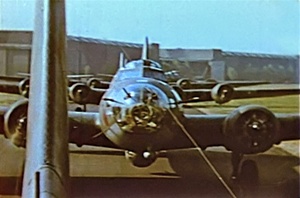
[[139, 113], [142, 114]]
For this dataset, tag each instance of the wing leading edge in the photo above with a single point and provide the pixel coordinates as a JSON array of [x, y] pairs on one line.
[[256, 123], [223, 93]]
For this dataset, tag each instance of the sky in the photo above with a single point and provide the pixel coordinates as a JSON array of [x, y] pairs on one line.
[[254, 26]]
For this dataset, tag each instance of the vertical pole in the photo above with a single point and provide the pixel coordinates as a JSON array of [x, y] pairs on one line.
[[47, 138]]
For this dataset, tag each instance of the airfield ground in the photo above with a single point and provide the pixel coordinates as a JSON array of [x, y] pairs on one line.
[[94, 175]]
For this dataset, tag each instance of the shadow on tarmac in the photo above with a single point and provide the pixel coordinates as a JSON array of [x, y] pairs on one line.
[[158, 187]]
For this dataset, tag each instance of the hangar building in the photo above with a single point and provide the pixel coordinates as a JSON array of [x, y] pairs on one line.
[[93, 56]]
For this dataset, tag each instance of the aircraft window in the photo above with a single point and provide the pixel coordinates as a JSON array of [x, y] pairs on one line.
[[142, 63]]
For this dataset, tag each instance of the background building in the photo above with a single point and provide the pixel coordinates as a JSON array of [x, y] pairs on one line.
[[221, 65], [93, 56]]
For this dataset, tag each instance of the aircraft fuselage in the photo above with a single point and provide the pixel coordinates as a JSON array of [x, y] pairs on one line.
[[135, 110]]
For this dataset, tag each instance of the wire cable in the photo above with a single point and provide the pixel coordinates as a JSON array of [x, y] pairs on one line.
[[211, 166]]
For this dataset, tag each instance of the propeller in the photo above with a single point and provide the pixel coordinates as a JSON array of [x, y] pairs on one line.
[[15, 123]]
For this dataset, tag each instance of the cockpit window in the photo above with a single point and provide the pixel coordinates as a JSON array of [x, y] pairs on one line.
[[155, 74], [142, 68], [152, 64], [142, 63]]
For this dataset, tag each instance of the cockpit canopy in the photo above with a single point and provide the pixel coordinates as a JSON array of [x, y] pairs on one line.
[[142, 63], [141, 68]]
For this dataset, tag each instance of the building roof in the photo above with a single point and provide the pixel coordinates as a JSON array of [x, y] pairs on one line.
[[256, 55], [23, 39], [102, 41], [187, 54]]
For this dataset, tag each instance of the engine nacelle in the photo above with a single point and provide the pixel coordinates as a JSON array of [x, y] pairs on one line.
[[141, 159], [15, 123], [79, 93], [222, 93], [24, 87], [183, 83], [251, 129], [94, 83]]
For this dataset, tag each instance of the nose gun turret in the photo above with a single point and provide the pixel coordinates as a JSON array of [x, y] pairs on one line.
[[141, 118]]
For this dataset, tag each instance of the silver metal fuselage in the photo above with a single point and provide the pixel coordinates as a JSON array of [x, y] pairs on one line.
[[134, 112]]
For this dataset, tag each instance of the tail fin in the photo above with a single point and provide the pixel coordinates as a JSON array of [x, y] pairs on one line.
[[145, 52], [47, 164]]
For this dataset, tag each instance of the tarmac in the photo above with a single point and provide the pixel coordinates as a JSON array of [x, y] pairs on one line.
[[103, 172]]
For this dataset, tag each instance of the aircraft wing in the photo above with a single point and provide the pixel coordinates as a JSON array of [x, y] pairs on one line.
[[186, 83], [11, 78], [19, 85], [105, 75], [85, 130], [223, 93], [246, 83], [70, 76], [14, 85], [248, 129], [79, 92], [93, 89], [234, 131], [83, 126]]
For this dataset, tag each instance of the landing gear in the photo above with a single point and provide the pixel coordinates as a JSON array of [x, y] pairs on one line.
[[235, 161], [248, 172]]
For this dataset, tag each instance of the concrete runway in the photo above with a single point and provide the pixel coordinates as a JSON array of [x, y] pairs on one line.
[[99, 172]]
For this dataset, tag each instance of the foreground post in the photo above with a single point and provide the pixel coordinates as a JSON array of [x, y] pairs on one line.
[[47, 159]]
